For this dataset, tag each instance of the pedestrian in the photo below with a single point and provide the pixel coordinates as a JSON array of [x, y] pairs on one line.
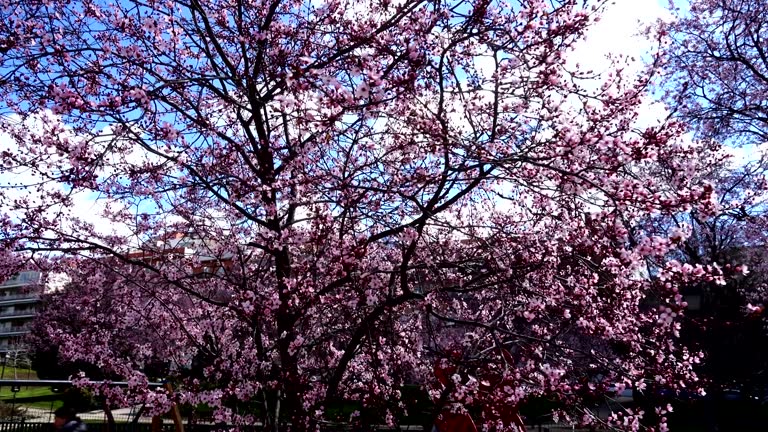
[[66, 420]]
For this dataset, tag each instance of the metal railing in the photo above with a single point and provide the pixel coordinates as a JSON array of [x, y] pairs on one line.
[[119, 427], [165, 427], [65, 383], [25, 427], [33, 411]]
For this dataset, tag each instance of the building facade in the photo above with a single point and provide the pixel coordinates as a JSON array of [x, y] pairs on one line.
[[19, 300]]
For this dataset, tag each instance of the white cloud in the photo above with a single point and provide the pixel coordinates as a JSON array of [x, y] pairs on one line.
[[19, 182], [743, 155], [619, 32]]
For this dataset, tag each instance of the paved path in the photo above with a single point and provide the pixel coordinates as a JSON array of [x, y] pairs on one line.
[[40, 415]]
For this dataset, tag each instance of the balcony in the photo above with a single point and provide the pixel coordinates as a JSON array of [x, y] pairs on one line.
[[19, 298], [17, 314], [14, 331]]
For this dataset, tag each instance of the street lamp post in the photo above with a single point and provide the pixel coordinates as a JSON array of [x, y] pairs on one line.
[[3, 360]]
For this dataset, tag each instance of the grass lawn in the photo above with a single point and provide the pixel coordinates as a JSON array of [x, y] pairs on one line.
[[11, 372], [25, 392], [35, 397], [52, 405]]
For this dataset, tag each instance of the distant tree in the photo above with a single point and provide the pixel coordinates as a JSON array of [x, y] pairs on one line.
[[717, 79], [727, 323], [717, 68]]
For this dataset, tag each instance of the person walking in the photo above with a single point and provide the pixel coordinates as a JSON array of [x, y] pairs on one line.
[[65, 419]]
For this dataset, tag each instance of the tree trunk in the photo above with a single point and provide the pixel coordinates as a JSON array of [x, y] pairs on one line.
[[111, 426]]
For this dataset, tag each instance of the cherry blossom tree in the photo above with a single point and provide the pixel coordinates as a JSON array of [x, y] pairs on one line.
[[724, 321], [718, 68], [368, 194], [717, 77]]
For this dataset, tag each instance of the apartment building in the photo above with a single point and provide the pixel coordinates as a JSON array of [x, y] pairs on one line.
[[19, 299]]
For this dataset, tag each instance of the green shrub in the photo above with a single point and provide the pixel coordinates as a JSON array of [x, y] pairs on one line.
[[12, 412], [80, 400]]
